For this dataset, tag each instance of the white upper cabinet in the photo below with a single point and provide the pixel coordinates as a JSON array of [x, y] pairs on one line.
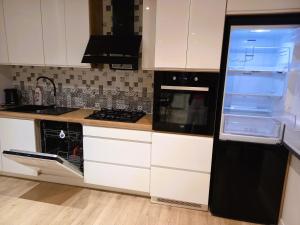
[[3, 41], [172, 24], [77, 30], [205, 38], [187, 35], [148, 42], [23, 24], [54, 32], [44, 32], [262, 6]]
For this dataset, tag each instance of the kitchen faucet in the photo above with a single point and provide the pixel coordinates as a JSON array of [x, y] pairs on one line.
[[53, 84]]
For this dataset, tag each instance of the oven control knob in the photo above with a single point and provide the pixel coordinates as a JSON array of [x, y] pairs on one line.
[[174, 78], [196, 79]]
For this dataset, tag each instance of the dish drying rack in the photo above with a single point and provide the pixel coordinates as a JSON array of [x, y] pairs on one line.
[[65, 143]]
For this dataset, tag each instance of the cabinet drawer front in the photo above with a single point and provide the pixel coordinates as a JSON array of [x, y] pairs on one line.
[[180, 185], [182, 152], [122, 177], [115, 151], [134, 135]]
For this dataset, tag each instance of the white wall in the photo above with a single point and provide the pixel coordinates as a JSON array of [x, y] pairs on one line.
[[291, 205], [5, 81]]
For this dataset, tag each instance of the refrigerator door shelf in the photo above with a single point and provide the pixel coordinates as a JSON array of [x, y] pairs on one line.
[[291, 121], [291, 139]]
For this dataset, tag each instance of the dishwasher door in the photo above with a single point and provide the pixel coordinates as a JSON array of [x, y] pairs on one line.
[[44, 164]]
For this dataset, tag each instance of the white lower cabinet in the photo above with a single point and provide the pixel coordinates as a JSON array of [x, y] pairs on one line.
[[117, 176], [180, 185], [17, 134], [180, 167], [117, 158]]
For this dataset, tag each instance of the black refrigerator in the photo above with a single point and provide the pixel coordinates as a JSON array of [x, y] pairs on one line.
[[258, 116]]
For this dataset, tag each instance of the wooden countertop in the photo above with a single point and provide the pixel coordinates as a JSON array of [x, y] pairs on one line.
[[144, 124]]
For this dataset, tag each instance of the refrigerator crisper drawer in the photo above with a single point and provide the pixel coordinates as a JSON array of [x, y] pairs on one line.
[[252, 126]]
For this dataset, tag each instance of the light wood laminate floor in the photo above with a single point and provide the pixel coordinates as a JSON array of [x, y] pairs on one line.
[[24, 202]]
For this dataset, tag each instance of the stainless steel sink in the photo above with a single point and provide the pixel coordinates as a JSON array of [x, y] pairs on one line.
[[41, 109]]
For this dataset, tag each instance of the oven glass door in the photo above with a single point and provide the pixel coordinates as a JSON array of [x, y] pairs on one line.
[[184, 109]]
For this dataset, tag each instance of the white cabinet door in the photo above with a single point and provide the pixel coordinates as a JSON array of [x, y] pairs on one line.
[[54, 32], [182, 152], [18, 135], [262, 6], [3, 41], [23, 24], [207, 18], [180, 185], [149, 27], [77, 30], [172, 23]]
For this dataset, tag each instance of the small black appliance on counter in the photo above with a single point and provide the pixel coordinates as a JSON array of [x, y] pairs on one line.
[[11, 97]]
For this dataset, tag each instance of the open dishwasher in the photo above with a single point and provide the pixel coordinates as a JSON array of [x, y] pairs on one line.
[[61, 150]]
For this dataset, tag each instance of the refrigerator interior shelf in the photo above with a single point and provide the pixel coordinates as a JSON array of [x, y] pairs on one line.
[[250, 114], [237, 110], [256, 72], [262, 71], [255, 94], [252, 126], [252, 57]]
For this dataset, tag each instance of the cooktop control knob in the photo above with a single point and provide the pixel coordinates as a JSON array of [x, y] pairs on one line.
[[174, 78], [196, 79]]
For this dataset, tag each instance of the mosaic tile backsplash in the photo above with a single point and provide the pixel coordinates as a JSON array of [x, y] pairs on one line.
[[87, 88]]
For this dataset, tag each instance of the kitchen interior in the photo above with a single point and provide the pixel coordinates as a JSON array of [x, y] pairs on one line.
[[150, 112]]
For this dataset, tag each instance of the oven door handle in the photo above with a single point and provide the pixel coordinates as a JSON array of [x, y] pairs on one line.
[[185, 88]]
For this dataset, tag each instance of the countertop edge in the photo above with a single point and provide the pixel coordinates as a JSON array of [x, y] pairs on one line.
[[144, 124]]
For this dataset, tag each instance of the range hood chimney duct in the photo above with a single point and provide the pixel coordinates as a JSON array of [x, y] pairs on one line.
[[120, 50]]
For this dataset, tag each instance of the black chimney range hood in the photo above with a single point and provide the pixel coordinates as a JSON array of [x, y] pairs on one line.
[[120, 50]]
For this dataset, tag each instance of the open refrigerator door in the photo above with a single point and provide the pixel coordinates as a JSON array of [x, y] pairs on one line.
[[291, 115], [260, 67]]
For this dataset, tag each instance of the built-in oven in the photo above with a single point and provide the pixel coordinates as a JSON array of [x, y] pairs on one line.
[[185, 102]]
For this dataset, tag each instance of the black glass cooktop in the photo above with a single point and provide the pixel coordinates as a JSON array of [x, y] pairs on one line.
[[117, 115]]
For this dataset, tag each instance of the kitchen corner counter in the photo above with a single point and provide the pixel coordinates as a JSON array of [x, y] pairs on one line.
[[144, 124]]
